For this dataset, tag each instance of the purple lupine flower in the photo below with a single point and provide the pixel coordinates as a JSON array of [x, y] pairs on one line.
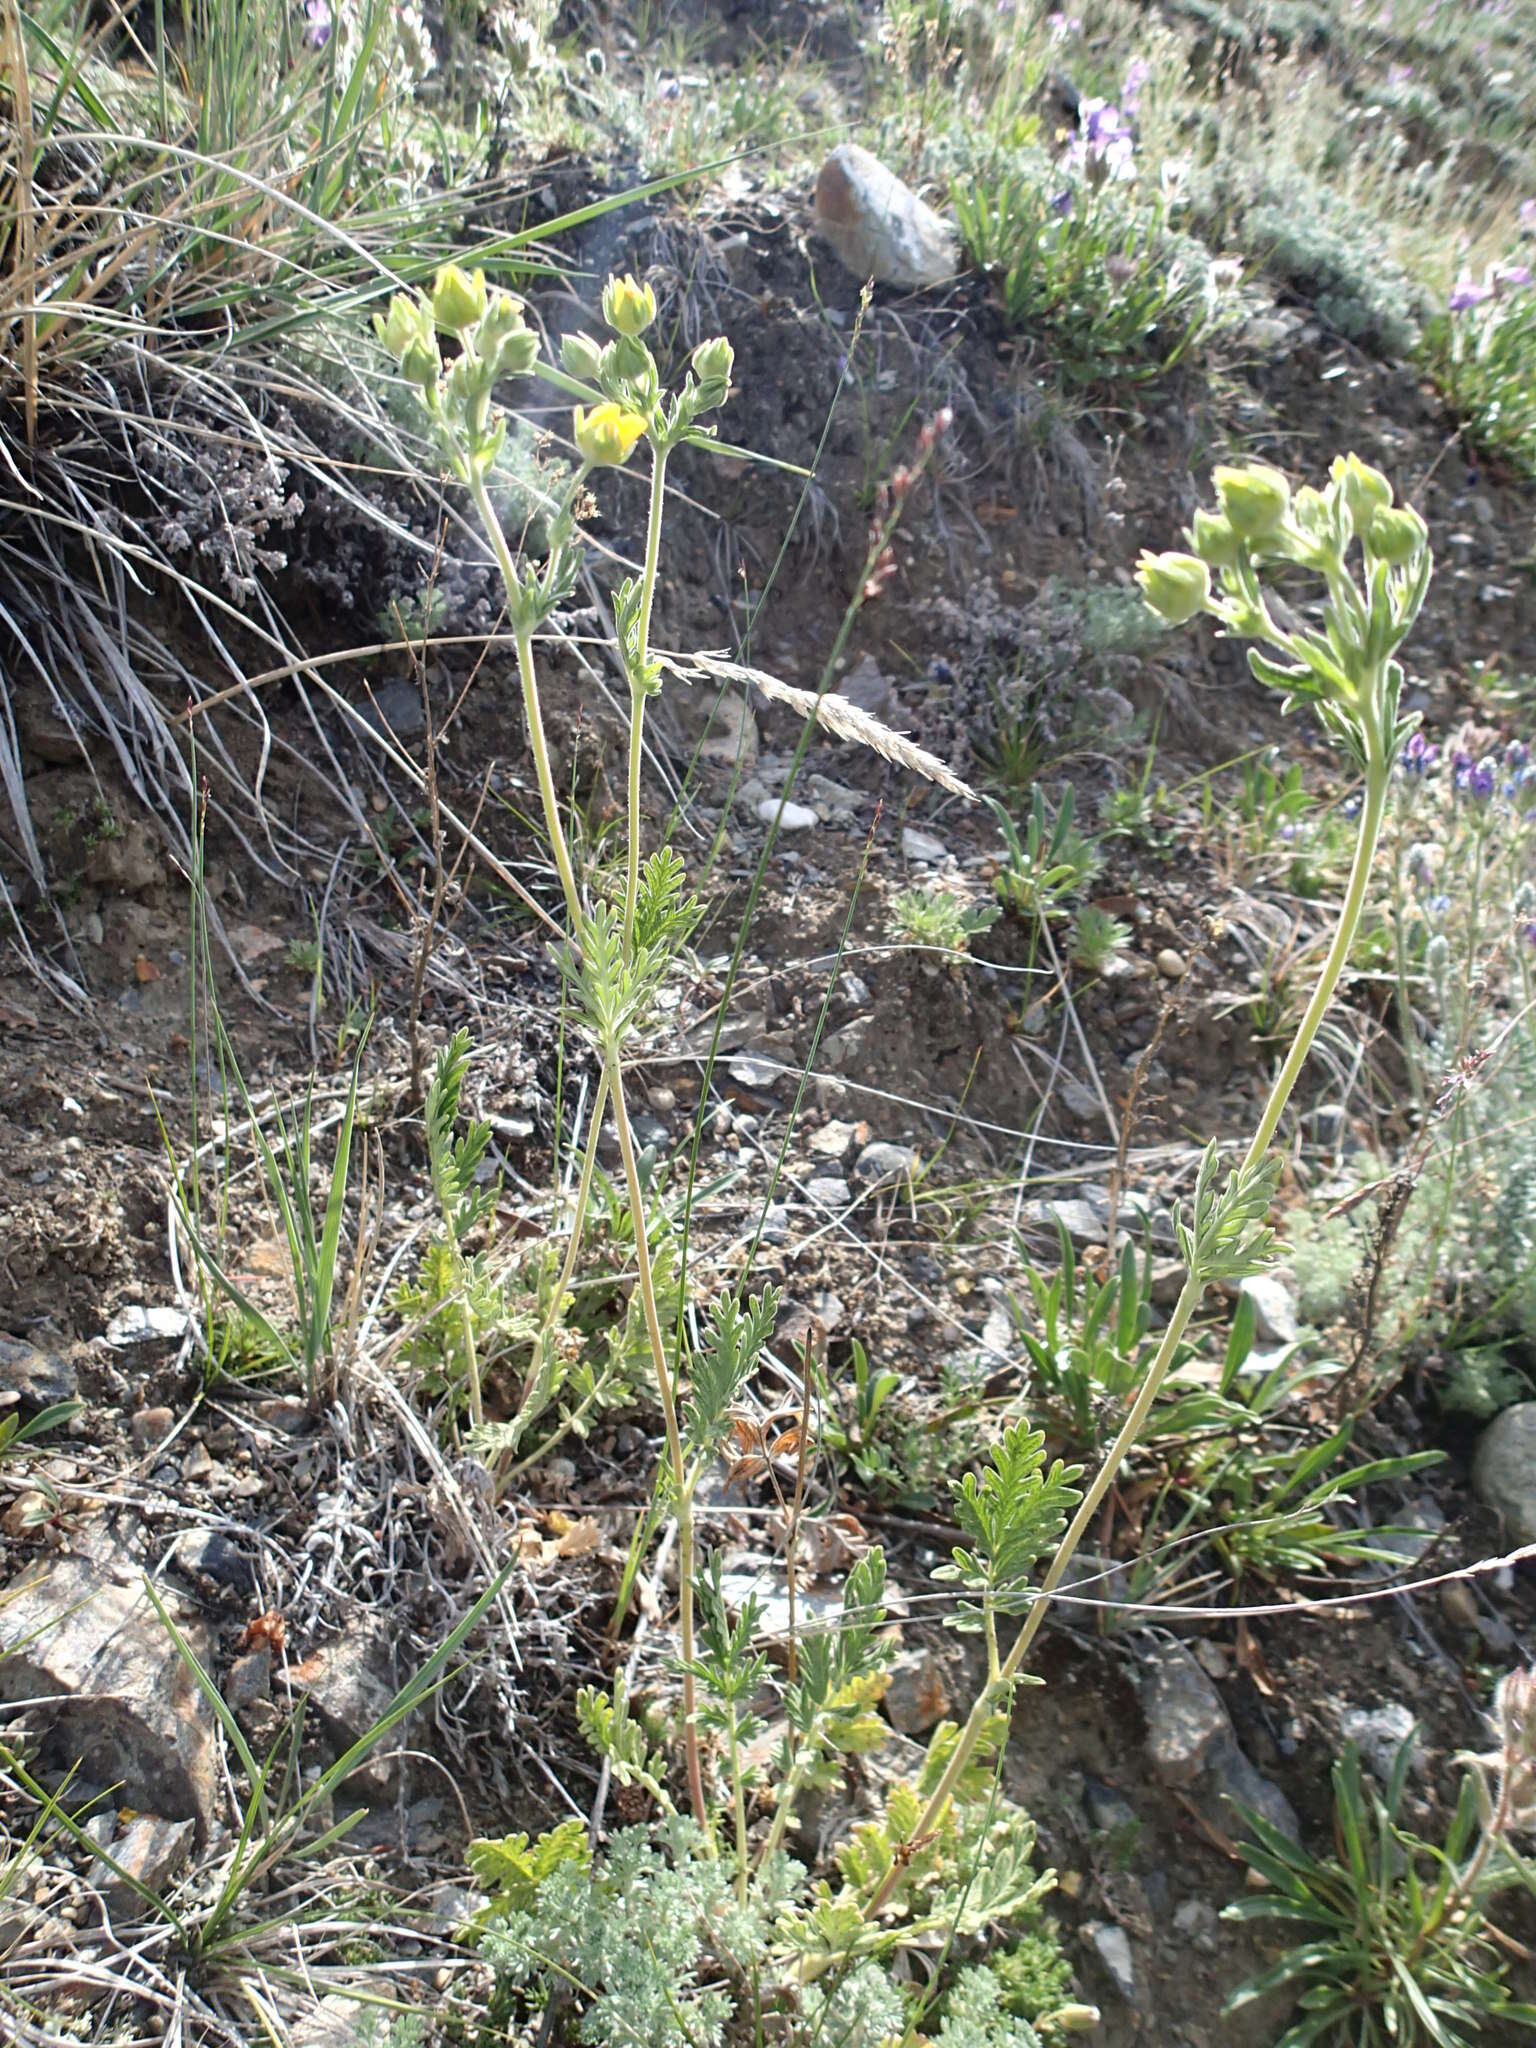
[[1137, 73], [1517, 754], [318, 23], [1063, 201], [1419, 756], [1465, 294], [1062, 26], [1512, 275], [1350, 808], [1480, 780], [1528, 216], [1399, 74], [1530, 935]]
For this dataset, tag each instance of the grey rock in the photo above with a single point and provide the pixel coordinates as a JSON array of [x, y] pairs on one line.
[[395, 708], [1170, 963], [37, 1378], [918, 1696], [829, 1191], [113, 1693], [758, 1075], [1504, 1469], [1112, 1946], [150, 1849], [1230, 1775], [1079, 1101], [1082, 1221], [1198, 1922], [844, 1047], [1184, 1713], [884, 1161], [923, 846], [1274, 1308], [212, 1555], [877, 225], [248, 1679], [1107, 1809], [351, 1685], [835, 1140], [793, 817], [776, 1223], [1378, 1733], [138, 1325], [868, 688]]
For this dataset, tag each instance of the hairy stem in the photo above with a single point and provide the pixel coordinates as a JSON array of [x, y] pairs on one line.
[[683, 1504], [993, 1693], [637, 688], [533, 715]]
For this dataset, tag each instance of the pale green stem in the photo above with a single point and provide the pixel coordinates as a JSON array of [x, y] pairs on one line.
[[532, 713], [476, 1410], [739, 1805], [636, 690], [683, 1506], [1371, 811]]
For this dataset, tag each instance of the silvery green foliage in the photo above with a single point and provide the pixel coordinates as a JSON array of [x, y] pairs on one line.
[[975, 2015], [644, 1933], [864, 2010]]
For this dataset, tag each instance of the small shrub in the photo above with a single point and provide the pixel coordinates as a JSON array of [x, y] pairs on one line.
[[1482, 353]]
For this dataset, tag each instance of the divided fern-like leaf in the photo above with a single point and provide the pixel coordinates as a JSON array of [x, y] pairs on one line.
[[1014, 1515], [724, 1363]]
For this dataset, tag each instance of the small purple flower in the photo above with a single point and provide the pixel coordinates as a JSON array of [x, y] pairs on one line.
[[1399, 74], [668, 88], [1511, 275], [318, 23], [1465, 294], [1350, 808], [1437, 906], [1063, 202], [1517, 754], [1530, 935], [1419, 756], [1137, 73], [1478, 780], [1528, 216], [1063, 26]]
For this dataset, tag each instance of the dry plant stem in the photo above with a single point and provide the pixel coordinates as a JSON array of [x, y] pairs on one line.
[[684, 1500], [1371, 812], [636, 689]]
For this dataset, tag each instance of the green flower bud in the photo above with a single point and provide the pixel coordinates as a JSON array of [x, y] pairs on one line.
[[1397, 535], [582, 357], [1364, 490], [713, 362], [635, 367], [459, 298], [606, 435], [1076, 2019], [408, 334], [1214, 540], [1176, 586], [628, 306], [504, 339], [1255, 499]]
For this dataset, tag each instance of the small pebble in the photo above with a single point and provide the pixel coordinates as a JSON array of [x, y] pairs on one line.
[[1459, 1604], [795, 818], [151, 1426], [1170, 963]]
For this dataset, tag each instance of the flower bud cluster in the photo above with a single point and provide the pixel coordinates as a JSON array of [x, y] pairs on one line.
[[1261, 526], [494, 341], [623, 373]]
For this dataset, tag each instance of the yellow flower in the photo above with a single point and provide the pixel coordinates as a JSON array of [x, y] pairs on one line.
[[607, 434], [629, 307], [459, 298]]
